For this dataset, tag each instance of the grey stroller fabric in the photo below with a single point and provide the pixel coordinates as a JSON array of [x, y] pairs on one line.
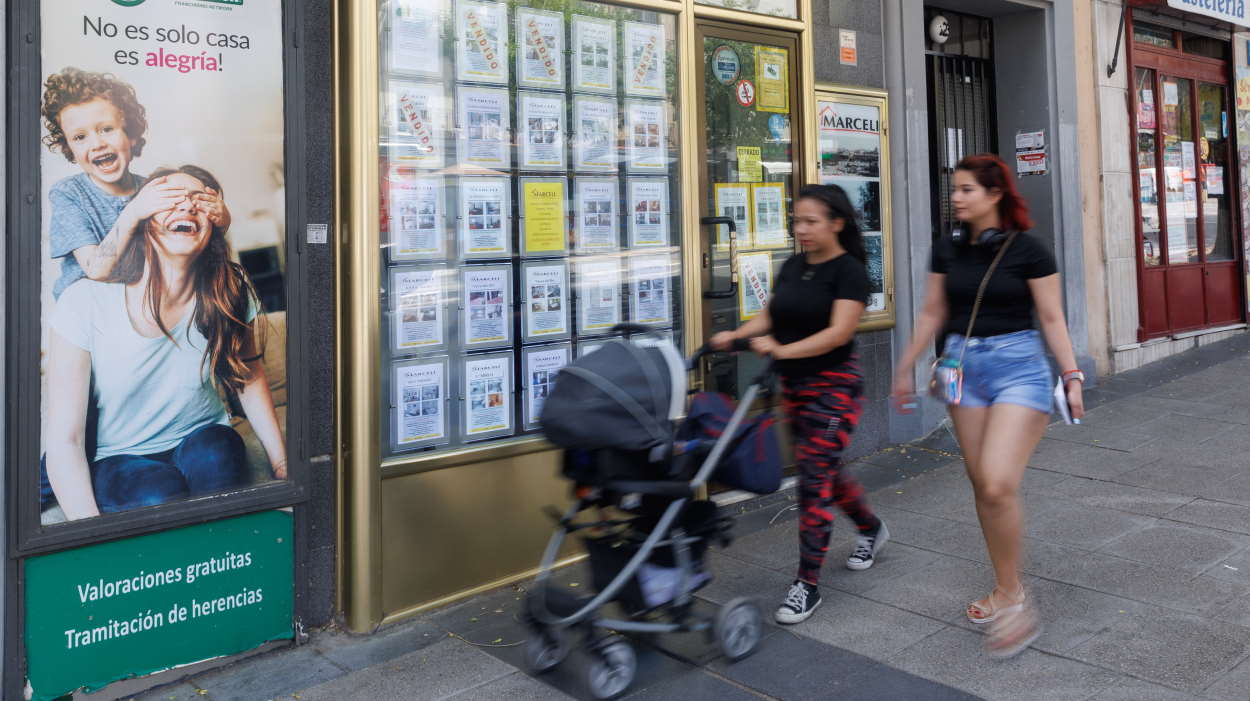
[[617, 397]]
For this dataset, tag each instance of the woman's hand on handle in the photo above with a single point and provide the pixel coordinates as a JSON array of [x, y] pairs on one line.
[[765, 346], [722, 341]]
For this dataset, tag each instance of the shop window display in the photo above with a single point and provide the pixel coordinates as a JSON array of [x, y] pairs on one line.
[[529, 205]]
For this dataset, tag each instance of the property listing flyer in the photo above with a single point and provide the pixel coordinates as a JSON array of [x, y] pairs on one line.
[[648, 212], [413, 39], [488, 396], [543, 217], [768, 202], [594, 120], [733, 200], [546, 301], [598, 295], [594, 55], [481, 42], [540, 55], [649, 281], [485, 295], [419, 296], [597, 221], [421, 391], [644, 59], [542, 131], [485, 218], [416, 217], [646, 147], [542, 366], [420, 124], [755, 272], [484, 118]]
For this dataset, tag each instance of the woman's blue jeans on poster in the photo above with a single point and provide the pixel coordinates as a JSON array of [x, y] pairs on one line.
[[212, 459]]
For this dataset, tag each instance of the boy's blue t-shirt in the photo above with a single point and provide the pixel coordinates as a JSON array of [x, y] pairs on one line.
[[82, 215]]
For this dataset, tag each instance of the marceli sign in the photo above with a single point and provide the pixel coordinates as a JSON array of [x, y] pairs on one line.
[[130, 607], [1228, 10]]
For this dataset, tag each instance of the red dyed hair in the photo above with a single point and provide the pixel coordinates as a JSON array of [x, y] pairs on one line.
[[990, 172]]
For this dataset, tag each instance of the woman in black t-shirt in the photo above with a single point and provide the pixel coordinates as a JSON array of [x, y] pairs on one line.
[[808, 327], [1007, 384]]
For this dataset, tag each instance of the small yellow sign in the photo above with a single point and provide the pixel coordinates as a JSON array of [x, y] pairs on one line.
[[750, 170], [772, 79], [543, 224]]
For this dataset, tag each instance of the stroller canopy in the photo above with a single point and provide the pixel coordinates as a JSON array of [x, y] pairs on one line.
[[624, 395]]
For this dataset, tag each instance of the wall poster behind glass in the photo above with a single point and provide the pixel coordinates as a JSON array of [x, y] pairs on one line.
[[596, 224], [594, 55], [418, 124], [648, 212], [486, 303], [484, 116], [542, 131], [418, 309], [485, 218], [545, 286], [540, 53], [541, 367], [482, 42], [598, 295], [645, 142], [420, 402], [487, 396], [644, 59], [414, 45], [417, 219], [594, 125], [650, 280]]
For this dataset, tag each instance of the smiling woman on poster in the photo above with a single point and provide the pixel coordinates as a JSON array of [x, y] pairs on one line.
[[156, 346]]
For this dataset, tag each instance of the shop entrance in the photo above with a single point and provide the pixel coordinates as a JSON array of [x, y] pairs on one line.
[[752, 146], [1187, 253]]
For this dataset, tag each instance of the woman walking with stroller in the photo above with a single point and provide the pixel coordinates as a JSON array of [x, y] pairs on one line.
[[986, 281], [808, 328]]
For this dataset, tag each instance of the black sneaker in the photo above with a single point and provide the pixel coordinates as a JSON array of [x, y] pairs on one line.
[[867, 547], [801, 601]]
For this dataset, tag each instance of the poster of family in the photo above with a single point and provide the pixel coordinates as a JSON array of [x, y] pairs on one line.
[[163, 371]]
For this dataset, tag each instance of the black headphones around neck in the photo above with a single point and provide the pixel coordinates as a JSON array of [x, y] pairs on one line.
[[989, 237]]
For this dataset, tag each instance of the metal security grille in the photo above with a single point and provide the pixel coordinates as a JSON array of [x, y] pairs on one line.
[[961, 105]]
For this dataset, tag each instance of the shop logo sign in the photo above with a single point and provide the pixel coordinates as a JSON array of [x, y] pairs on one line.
[[128, 3], [1228, 10]]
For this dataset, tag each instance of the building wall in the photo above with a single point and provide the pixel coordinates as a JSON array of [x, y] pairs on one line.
[[1090, 68]]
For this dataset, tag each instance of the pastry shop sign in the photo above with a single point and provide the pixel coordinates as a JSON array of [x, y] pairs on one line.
[[1228, 10]]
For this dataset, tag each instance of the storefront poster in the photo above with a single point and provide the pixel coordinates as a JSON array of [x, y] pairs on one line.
[[488, 395], [650, 278], [594, 121], [484, 119], [1189, 167], [542, 131], [646, 147], [485, 218], [874, 248], [755, 274], [421, 393], [648, 212], [481, 42], [546, 301], [1146, 110], [598, 295], [772, 78], [419, 319], [594, 55], [733, 201], [416, 217], [542, 367], [486, 293], [413, 38], [127, 96], [644, 59], [750, 168], [540, 54], [597, 220], [154, 602], [768, 215], [1213, 178], [543, 217], [419, 124]]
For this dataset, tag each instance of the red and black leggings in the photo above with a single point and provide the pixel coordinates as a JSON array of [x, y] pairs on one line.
[[823, 411]]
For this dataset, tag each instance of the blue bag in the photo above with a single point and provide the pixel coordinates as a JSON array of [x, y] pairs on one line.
[[752, 461]]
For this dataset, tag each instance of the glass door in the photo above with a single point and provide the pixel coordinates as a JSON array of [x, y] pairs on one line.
[[751, 147]]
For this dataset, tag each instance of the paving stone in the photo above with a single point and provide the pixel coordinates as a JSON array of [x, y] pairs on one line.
[[1178, 427], [1235, 568], [1073, 615], [1120, 497], [894, 561], [514, 687], [1180, 651], [944, 493], [955, 657], [1177, 478], [1165, 587], [692, 685], [963, 540], [1089, 434], [1192, 388], [1226, 451], [1231, 686], [784, 669], [865, 627], [177, 692], [1135, 690], [1081, 526], [1235, 490], [732, 578], [776, 548], [353, 652], [1086, 460], [270, 675], [910, 459], [1039, 480], [941, 591], [1214, 514], [436, 672], [1191, 548]]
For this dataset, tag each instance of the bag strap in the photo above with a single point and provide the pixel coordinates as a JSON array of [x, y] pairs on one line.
[[985, 281]]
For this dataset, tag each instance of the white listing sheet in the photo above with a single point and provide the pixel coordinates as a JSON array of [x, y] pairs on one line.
[[644, 59], [594, 121], [542, 366], [482, 31], [646, 146], [421, 391], [484, 217], [488, 396], [542, 131], [416, 217], [597, 227], [487, 320], [594, 54], [650, 300], [648, 212], [598, 296], [540, 50], [546, 301], [484, 118], [419, 296]]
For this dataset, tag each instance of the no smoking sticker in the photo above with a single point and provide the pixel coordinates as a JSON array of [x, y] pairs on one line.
[[745, 91]]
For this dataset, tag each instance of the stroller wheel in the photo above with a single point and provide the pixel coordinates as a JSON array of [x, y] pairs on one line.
[[612, 669], [739, 627], [545, 649]]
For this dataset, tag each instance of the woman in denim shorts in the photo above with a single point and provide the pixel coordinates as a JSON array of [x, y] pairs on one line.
[[1006, 398]]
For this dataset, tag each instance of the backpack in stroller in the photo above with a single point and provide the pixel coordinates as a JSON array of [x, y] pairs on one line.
[[637, 469]]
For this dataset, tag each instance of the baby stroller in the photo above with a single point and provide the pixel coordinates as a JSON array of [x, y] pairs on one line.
[[615, 412]]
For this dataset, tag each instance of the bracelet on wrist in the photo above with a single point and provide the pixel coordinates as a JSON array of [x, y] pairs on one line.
[[1071, 375]]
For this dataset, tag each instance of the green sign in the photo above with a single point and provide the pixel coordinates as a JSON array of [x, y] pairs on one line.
[[127, 608]]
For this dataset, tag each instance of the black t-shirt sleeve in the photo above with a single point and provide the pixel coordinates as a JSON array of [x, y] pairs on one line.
[[1040, 262], [940, 256], [852, 282]]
